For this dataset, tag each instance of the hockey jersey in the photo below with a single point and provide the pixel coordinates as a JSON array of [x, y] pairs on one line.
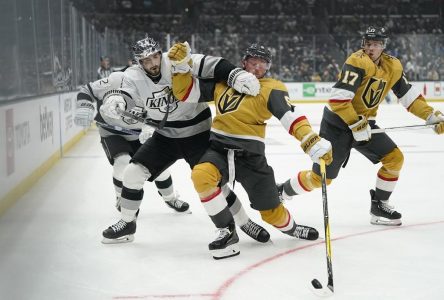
[[363, 85], [183, 120], [96, 91], [240, 120]]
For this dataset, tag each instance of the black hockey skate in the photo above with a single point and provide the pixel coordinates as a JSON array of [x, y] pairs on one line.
[[177, 204], [121, 232], [225, 245], [305, 233], [382, 213], [255, 231]]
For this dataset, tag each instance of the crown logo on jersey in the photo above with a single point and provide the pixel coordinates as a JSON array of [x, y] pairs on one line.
[[373, 92], [162, 100], [229, 101]]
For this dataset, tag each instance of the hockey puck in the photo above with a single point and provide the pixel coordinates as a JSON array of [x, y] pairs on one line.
[[316, 284]]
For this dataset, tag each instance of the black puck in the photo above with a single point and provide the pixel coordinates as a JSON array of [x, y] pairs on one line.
[[316, 284]]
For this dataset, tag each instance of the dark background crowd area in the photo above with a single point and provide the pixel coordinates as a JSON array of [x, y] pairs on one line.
[[311, 38], [56, 45]]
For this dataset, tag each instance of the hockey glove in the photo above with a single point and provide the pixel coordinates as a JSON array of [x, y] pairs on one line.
[[112, 105], [180, 57], [317, 147], [84, 113], [244, 82], [361, 130], [436, 118], [146, 133]]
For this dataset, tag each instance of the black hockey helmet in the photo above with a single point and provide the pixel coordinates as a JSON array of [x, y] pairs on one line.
[[375, 33], [144, 48], [256, 50]]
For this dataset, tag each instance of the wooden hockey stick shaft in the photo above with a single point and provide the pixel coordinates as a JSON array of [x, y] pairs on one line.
[[326, 226]]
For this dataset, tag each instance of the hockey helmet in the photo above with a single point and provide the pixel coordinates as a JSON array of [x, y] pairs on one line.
[[256, 50], [375, 33], [144, 48]]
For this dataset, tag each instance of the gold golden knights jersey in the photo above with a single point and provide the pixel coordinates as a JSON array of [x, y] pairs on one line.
[[240, 119], [363, 85]]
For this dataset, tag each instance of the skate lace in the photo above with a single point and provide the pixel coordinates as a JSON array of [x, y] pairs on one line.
[[251, 228], [119, 226], [176, 203], [301, 231], [386, 203], [222, 233], [386, 208]]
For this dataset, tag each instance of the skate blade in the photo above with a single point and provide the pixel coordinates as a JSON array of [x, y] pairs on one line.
[[229, 251], [121, 240], [386, 222]]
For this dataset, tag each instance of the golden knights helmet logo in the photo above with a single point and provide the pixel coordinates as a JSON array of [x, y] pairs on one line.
[[229, 100], [373, 92]]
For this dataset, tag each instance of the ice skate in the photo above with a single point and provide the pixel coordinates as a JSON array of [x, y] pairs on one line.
[[305, 233], [382, 213], [225, 245], [121, 232], [178, 205], [255, 231]]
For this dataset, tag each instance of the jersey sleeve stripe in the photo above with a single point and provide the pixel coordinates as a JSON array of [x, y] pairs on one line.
[[290, 118], [190, 88], [339, 100], [409, 97], [341, 94], [295, 122]]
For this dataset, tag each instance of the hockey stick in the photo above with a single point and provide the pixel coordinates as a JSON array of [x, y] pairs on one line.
[[401, 128], [118, 128], [315, 284], [149, 122]]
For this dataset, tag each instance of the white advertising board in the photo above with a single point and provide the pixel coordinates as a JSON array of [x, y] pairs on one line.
[[320, 91], [30, 133]]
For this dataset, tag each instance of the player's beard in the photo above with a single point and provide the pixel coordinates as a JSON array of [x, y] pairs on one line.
[[154, 71]]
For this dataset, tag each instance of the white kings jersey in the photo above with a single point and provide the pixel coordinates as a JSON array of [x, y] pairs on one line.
[[184, 119], [95, 92]]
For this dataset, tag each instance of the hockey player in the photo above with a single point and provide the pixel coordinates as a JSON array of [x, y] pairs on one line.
[[366, 78], [237, 149], [184, 134], [119, 146]]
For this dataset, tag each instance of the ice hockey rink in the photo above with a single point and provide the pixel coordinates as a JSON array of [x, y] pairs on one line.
[[50, 239]]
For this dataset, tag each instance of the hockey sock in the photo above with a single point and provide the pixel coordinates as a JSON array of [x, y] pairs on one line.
[[216, 207], [280, 218], [165, 188], [236, 209]]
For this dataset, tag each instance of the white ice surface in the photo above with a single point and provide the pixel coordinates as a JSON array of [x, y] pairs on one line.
[[50, 239]]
